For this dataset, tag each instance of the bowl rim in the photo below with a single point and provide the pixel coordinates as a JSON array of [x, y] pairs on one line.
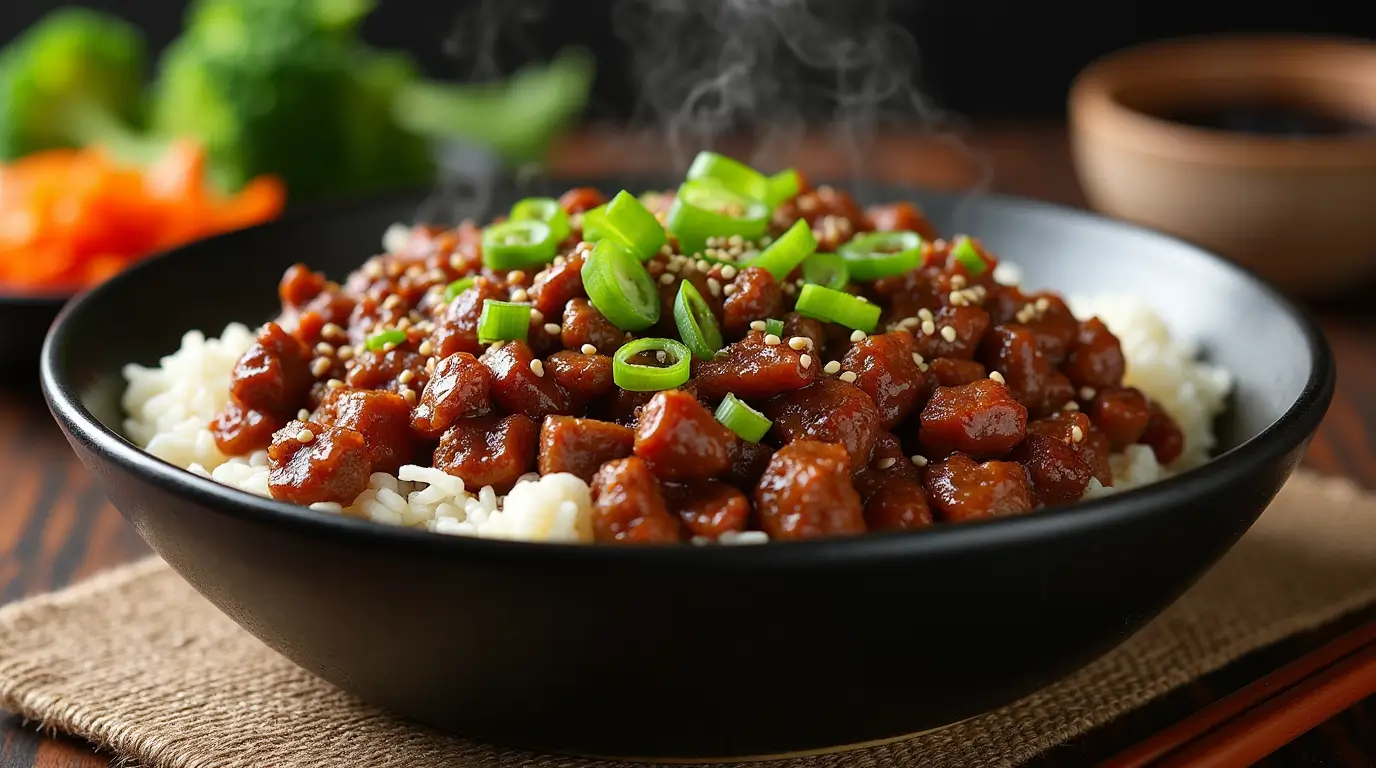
[[1294, 426], [1094, 105]]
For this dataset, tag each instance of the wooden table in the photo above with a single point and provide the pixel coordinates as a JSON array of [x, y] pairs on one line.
[[55, 527]]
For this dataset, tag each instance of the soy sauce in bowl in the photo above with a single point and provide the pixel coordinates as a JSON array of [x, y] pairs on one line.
[[1275, 120]]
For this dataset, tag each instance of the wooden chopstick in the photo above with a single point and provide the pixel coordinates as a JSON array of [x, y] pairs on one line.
[[1267, 714]]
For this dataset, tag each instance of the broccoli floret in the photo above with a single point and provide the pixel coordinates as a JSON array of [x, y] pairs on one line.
[[74, 78]]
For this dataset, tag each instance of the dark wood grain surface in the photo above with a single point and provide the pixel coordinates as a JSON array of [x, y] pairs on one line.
[[55, 527]]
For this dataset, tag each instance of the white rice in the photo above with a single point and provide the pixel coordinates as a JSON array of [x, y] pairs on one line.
[[170, 408]]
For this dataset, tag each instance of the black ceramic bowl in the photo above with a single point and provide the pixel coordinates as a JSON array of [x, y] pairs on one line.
[[688, 652]]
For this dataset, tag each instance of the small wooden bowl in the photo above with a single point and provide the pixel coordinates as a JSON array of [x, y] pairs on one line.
[[1299, 210]]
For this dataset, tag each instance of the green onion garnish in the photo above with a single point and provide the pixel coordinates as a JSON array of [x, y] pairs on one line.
[[828, 270], [705, 208], [634, 225], [595, 223], [968, 256], [774, 326], [378, 341], [880, 254], [782, 186], [834, 306], [457, 287], [787, 252], [503, 321], [544, 209], [518, 243], [619, 286], [671, 367], [730, 173], [697, 326], [748, 423]]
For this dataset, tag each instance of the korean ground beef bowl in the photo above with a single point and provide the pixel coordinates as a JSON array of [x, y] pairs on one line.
[[513, 505]]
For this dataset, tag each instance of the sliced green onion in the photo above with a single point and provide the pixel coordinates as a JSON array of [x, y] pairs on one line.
[[697, 326], [380, 340], [730, 173], [773, 326], [787, 252], [782, 186], [748, 423], [968, 256], [880, 254], [705, 208], [669, 372], [457, 287], [828, 270], [619, 286], [834, 306], [595, 223], [544, 209], [503, 321], [634, 225], [518, 243]]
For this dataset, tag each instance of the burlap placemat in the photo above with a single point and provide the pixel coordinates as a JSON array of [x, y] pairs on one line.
[[136, 661]]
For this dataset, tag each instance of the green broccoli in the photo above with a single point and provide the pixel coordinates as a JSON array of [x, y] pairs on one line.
[[74, 78]]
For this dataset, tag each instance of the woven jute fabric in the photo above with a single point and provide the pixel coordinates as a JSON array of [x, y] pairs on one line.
[[138, 662]]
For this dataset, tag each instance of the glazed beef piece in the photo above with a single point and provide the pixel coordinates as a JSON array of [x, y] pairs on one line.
[[746, 462], [1012, 351], [1073, 428], [1122, 413], [806, 327], [629, 507], [239, 431], [1045, 314], [897, 503], [558, 284], [708, 508], [489, 450], [980, 419], [901, 217], [583, 324], [457, 329], [950, 332], [274, 375], [298, 286], [1094, 358], [679, 439], [384, 420], [520, 383], [458, 389], [581, 446], [310, 463], [886, 370], [586, 378], [830, 411], [752, 369], [1163, 434], [953, 372], [755, 296], [580, 199], [806, 493], [962, 489], [1058, 471]]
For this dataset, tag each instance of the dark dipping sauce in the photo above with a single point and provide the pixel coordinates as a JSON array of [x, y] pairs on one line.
[[1270, 120], [970, 400]]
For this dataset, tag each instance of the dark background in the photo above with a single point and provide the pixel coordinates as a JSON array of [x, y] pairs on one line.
[[981, 58]]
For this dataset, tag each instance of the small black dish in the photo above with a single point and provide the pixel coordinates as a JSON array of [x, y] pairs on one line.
[[687, 652]]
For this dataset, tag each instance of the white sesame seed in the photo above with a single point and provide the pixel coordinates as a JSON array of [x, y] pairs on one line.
[[403, 323], [758, 325], [1071, 406], [928, 327], [863, 300], [800, 343], [703, 265], [1043, 304], [957, 299], [588, 349], [666, 279], [334, 384], [713, 286], [918, 359], [1076, 434], [672, 266], [661, 356], [408, 394], [332, 331], [320, 366], [831, 367], [560, 261], [406, 376], [858, 336], [1087, 393], [728, 272], [426, 348], [537, 315], [728, 289], [520, 295], [303, 415], [516, 276], [537, 368], [494, 346], [848, 377], [957, 281], [305, 436], [919, 460], [430, 365], [455, 262], [925, 314], [996, 376], [553, 329], [948, 333], [805, 361], [771, 340], [324, 349], [885, 462]]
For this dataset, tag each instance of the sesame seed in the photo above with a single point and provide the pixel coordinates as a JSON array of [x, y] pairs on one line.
[[334, 384], [863, 300], [948, 333], [758, 325], [406, 376], [1087, 393], [324, 349], [426, 348], [661, 356], [800, 343], [1071, 406], [672, 266], [928, 327], [588, 349], [805, 361], [305, 436], [430, 365], [332, 331], [831, 367], [403, 323], [388, 347], [885, 462], [666, 279], [520, 295], [537, 315], [848, 377], [857, 336], [1043, 304], [996, 376], [320, 366], [770, 340], [553, 329], [957, 281], [303, 415], [409, 395], [957, 299], [516, 276], [560, 261], [494, 346], [735, 241], [728, 272], [537, 368], [1076, 434], [455, 262], [713, 286], [918, 359], [919, 460], [728, 289], [704, 265], [925, 314]]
